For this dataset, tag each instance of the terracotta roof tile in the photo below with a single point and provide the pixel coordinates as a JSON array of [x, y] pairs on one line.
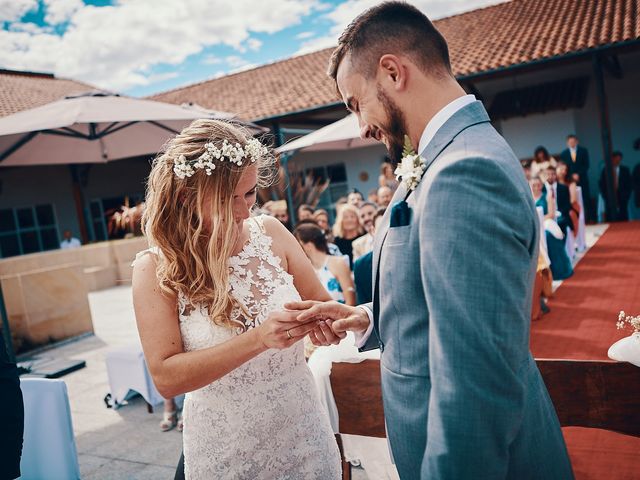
[[24, 90], [512, 33]]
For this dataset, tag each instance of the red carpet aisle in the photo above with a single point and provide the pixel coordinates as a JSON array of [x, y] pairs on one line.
[[582, 325]]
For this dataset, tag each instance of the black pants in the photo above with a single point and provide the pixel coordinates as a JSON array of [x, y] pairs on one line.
[[11, 426]]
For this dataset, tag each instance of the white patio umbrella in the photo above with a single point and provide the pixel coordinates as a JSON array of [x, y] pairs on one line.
[[95, 127], [340, 135]]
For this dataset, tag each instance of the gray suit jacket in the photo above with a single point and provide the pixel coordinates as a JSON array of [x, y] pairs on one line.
[[463, 397]]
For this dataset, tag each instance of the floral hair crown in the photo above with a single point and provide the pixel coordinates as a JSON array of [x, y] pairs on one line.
[[252, 151]]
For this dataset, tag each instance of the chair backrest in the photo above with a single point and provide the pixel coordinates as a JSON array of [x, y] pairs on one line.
[[594, 393], [49, 449], [358, 395], [585, 393]]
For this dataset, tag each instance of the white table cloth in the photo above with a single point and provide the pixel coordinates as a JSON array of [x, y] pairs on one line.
[[372, 453], [581, 239], [127, 371], [49, 449]]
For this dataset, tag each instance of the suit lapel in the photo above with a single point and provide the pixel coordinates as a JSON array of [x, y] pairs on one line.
[[467, 116]]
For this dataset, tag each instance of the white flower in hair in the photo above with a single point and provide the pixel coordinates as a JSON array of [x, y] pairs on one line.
[[234, 153], [182, 168]]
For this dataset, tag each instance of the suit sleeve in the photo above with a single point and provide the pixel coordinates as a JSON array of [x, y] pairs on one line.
[[477, 237]]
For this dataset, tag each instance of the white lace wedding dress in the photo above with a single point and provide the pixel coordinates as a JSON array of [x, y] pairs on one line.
[[264, 419]]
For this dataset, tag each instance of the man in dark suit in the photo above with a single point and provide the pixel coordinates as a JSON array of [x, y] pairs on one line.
[[577, 158], [11, 415], [622, 187], [562, 196], [363, 266]]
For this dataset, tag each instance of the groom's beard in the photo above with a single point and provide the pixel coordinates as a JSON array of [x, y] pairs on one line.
[[396, 128]]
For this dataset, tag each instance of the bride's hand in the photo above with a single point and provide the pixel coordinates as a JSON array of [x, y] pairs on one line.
[[282, 329], [335, 320]]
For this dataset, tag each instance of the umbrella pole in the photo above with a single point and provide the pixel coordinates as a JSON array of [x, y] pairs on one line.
[[284, 161], [78, 198]]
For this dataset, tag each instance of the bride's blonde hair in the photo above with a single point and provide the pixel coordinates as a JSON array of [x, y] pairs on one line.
[[195, 250]]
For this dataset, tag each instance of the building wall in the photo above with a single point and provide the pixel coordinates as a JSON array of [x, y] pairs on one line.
[[357, 161], [30, 186], [119, 178], [524, 134], [551, 129]]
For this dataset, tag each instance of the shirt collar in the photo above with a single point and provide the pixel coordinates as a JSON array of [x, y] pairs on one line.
[[441, 117]]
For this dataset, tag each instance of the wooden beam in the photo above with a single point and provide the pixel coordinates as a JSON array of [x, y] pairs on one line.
[[605, 134], [611, 64]]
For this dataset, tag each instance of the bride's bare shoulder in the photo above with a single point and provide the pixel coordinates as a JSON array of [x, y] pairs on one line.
[[274, 228]]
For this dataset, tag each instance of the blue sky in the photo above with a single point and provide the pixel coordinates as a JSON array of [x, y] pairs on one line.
[[140, 47]]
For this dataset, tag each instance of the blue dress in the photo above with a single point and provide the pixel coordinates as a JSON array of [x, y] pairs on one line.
[[330, 282], [560, 263]]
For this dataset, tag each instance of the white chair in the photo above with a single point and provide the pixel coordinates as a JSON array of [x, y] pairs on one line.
[[49, 449], [581, 238], [127, 371], [601, 208], [543, 235], [570, 244]]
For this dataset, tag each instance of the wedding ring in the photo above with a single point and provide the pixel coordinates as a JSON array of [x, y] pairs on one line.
[[289, 334]]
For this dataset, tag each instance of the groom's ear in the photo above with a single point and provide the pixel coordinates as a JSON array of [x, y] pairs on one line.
[[393, 71]]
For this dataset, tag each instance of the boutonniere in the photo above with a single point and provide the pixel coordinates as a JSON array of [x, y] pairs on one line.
[[411, 167]]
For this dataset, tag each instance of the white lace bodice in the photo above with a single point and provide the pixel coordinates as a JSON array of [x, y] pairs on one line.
[[263, 419]]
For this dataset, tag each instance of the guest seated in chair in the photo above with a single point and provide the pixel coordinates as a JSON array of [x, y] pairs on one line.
[[364, 244], [562, 171], [363, 267], [333, 272], [562, 199], [561, 267]]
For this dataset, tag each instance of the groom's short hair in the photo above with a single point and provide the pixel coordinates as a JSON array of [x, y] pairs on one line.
[[396, 28]]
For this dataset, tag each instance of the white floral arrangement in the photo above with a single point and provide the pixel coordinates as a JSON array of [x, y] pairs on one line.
[[628, 320], [411, 167], [253, 150]]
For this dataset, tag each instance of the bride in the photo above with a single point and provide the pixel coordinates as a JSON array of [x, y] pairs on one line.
[[209, 299]]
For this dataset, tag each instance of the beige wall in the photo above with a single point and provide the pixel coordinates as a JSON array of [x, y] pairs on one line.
[[104, 264], [46, 293], [46, 305]]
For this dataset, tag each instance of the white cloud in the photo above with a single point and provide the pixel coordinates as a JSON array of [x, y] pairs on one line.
[[254, 44], [31, 28], [12, 10], [305, 35], [116, 47], [235, 61], [60, 11], [251, 44], [344, 13], [161, 77], [211, 60]]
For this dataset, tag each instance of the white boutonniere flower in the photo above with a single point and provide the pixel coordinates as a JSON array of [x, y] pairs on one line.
[[411, 167]]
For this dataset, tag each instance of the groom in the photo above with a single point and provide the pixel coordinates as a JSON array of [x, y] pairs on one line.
[[453, 267]]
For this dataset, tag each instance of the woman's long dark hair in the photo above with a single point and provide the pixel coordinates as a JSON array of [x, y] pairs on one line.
[[309, 231]]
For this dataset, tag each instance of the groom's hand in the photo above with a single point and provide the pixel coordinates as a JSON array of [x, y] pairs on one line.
[[335, 320]]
